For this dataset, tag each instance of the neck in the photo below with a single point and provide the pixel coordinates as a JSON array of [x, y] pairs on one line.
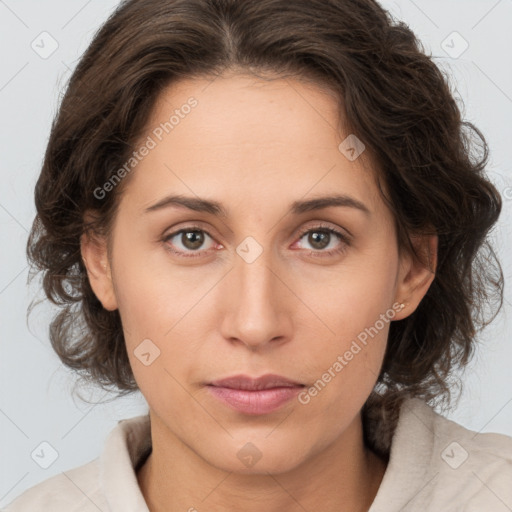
[[343, 476]]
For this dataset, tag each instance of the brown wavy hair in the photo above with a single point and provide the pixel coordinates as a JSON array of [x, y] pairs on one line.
[[392, 96]]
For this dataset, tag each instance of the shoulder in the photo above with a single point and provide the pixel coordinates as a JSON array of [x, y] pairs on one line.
[[74, 490], [465, 469], [107, 482]]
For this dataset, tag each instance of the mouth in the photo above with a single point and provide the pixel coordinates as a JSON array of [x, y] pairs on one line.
[[255, 396], [246, 383]]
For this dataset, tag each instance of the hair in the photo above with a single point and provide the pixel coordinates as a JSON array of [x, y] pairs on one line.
[[392, 96]]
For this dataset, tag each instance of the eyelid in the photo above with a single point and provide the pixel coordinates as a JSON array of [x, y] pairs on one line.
[[319, 224], [185, 229]]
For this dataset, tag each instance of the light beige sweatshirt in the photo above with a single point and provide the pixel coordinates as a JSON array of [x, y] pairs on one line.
[[435, 465]]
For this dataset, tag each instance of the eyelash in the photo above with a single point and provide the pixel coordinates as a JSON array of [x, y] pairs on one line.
[[318, 253]]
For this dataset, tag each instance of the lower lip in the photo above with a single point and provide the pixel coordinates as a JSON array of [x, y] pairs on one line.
[[261, 401]]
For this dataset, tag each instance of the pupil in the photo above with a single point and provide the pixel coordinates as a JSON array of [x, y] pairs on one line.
[[189, 239], [313, 239]]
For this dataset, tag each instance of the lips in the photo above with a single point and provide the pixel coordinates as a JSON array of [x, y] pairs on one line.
[[262, 395], [247, 383]]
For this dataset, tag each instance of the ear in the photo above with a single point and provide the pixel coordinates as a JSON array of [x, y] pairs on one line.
[[95, 257], [416, 274]]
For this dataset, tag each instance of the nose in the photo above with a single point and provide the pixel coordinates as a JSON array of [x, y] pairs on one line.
[[256, 306]]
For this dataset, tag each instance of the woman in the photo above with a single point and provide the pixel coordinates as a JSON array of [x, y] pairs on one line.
[[267, 217]]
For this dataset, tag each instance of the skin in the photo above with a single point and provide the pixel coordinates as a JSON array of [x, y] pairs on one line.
[[255, 146]]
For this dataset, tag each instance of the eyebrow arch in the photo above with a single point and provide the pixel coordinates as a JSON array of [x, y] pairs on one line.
[[297, 207]]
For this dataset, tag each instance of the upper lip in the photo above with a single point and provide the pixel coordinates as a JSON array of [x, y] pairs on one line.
[[248, 383]]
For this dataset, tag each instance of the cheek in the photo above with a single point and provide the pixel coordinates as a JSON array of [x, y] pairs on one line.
[[142, 306], [356, 313], [352, 296], [143, 294], [161, 316], [345, 372], [157, 332]]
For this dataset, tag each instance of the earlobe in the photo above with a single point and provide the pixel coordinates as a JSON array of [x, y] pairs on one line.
[[416, 274], [95, 257]]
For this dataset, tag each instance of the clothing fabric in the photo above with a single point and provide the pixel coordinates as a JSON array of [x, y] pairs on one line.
[[435, 465]]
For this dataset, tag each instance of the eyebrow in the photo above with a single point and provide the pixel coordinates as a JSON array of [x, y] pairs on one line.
[[297, 207]]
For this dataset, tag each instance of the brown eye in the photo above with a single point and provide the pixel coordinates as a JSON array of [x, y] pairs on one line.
[[319, 239], [187, 242], [192, 239]]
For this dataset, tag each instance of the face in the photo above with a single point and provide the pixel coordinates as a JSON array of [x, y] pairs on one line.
[[273, 285]]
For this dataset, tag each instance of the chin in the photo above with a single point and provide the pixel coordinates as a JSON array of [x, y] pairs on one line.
[[258, 457]]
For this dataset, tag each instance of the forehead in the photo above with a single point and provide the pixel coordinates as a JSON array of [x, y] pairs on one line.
[[241, 109], [249, 136]]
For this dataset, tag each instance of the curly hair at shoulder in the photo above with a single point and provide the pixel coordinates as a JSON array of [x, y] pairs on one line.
[[430, 163]]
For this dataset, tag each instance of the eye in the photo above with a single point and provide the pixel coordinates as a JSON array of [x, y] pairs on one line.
[[324, 236], [191, 239]]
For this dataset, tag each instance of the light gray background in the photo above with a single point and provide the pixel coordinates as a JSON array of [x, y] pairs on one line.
[[35, 402]]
